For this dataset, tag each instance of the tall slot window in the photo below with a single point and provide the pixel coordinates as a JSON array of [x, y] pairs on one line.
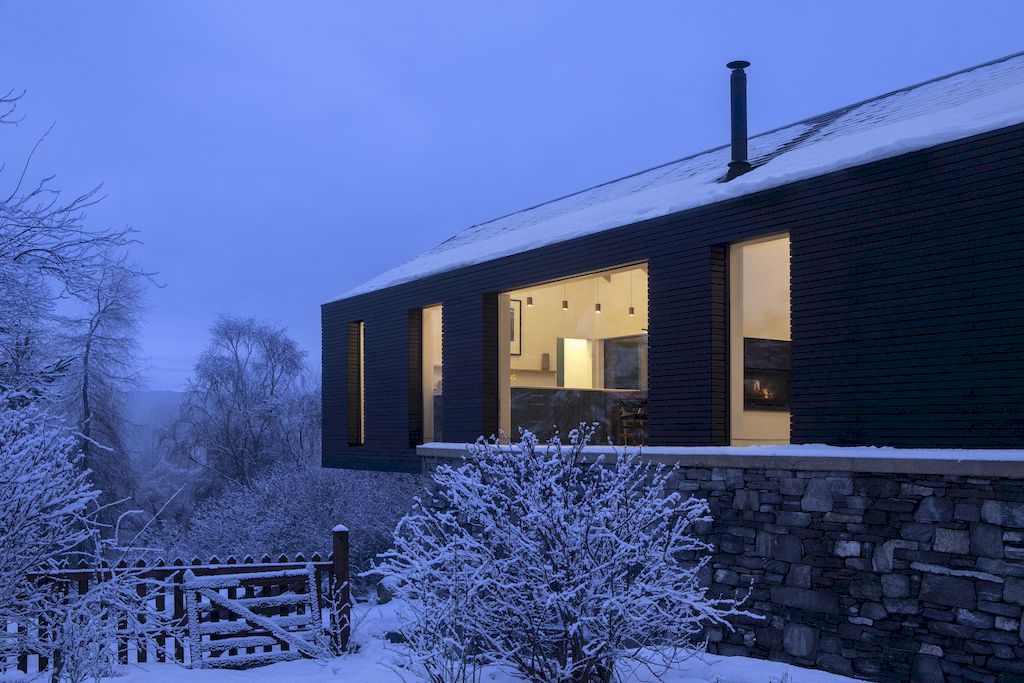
[[356, 384], [431, 365], [575, 350], [760, 341]]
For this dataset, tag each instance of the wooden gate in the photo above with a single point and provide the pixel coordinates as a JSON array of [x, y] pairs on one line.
[[241, 620], [278, 588]]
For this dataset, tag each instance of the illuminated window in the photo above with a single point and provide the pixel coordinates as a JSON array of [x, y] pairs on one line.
[[431, 367], [760, 340], [574, 351], [356, 384]]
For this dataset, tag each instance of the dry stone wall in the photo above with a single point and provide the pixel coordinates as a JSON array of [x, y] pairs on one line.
[[879, 568], [883, 576]]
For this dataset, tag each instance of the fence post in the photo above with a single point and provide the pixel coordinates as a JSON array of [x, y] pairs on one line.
[[341, 595]]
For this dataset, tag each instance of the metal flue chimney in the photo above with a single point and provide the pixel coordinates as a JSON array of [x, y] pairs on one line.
[[738, 98]]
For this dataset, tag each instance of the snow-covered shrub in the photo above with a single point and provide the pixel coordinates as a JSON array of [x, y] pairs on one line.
[[290, 509], [48, 524], [46, 509], [566, 569], [85, 629]]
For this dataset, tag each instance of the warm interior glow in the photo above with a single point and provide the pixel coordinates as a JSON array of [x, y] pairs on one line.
[[585, 361], [432, 365], [760, 338]]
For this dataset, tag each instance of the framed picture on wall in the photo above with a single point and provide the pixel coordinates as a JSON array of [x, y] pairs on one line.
[[515, 313]]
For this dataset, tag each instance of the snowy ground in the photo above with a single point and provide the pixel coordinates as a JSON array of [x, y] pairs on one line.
[[379, 660]]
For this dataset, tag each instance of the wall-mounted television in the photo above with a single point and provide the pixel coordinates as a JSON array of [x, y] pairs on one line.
[[766, 365]]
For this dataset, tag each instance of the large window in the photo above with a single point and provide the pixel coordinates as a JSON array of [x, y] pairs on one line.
[[759, 345], [576, 350], [356, 384], [431, 367]]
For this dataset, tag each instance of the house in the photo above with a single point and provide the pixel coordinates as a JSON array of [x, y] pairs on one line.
[[853, 279]]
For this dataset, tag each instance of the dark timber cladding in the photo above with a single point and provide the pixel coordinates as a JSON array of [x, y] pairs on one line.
[[907, 313]]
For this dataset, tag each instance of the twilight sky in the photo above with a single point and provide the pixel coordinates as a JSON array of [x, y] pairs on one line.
[[274, 155]]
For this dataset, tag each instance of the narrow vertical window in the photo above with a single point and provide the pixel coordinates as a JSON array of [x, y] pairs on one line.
[[356, 384], [760, 341], [431, 365]]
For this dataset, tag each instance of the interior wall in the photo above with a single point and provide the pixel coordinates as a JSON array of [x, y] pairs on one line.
[[432, 367], [546, 321], [759, 307]]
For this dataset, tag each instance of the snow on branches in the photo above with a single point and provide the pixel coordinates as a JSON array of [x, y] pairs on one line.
[[566, 567], [46, 502], [48, 519]]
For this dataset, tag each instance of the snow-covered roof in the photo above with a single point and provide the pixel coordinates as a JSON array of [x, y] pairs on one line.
[[979, 99]]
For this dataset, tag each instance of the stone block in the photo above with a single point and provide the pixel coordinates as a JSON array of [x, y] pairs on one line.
[[834, 663], [901, 605], [825, 602], [882, 557], [799, 575], [948, 590], [1001, 567], [915, 490], [896, 586], [986, 540], [818, 496], [845, 548], [790, 518], [1000, 608], [874, 610], [928, 669], [1013, 591], [877, 487], [768, 638], [866, 590], [1014, 552], [842, 486], [1003, 513], [1006, 624], [967, 512], [973, 618], [791, 486], [923, 533], [746, 499], [800, 640], [787, 549], [934, 509], [952, 541]]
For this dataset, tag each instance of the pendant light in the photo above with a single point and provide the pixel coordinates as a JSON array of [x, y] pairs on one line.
[[565, 301], [597, 304], [529, 300], [632, 311]]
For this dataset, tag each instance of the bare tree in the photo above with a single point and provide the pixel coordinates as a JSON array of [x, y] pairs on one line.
[[243, 400], [47, 253], [102, 347]]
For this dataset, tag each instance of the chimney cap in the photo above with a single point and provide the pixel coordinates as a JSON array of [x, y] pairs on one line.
[[737, 64]]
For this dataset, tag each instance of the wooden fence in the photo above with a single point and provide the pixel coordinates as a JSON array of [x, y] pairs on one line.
[[231, 613]]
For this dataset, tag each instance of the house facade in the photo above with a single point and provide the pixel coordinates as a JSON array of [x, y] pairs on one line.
[[861, 284]]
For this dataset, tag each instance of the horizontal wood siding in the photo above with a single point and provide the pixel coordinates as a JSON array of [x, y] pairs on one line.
[[908, 302]]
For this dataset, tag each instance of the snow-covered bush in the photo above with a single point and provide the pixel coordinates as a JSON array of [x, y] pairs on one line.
[[564, 568], [292, 508], [48, 523], [46, 508]]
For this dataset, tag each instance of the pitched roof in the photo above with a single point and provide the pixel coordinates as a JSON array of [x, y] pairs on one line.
[[976, 100]]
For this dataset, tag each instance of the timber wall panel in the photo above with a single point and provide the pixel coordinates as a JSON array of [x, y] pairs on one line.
[[908, 301]]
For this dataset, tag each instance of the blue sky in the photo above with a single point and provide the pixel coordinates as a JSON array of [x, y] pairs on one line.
[[275, 154]]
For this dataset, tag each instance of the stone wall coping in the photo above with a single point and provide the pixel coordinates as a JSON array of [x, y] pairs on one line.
[[819, 457]]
